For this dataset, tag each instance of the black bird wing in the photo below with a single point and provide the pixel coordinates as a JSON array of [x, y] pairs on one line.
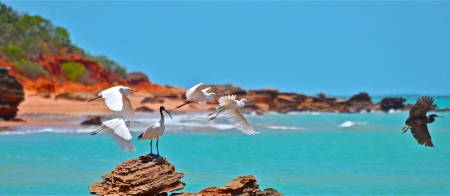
[[422, 106], [421, 134]]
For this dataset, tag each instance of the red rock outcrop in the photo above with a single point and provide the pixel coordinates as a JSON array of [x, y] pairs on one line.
[[11, 94], [146, 175], [97, 72], [243, 185], [93, 120], [226, 89], [273, 100]]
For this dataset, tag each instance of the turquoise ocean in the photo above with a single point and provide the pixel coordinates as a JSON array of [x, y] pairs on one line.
[[299, 153]]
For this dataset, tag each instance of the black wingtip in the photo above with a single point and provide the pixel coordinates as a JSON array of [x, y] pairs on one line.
[[140, 136]]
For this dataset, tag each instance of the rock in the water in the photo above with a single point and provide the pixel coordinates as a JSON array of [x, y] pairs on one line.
[[392, 103], [146, 175], [144, 109], [360, 102], [94, 120], [243, 185], [11, 94]]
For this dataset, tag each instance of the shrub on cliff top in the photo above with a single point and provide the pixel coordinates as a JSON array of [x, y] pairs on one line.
[[111, 66], [12, 52], [73, 70], [30, 70]]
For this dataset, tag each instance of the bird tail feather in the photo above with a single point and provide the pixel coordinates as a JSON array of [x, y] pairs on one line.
[[140, 136]]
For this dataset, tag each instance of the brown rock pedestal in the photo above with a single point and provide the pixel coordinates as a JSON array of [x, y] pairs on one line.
[[146, 175]]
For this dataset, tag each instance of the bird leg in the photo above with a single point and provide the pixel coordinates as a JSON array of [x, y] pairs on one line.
[[218, 109], [212, 118], [98, 130], [151, 146], [186, 102], [157, 148], [405, 128], [94, 98]]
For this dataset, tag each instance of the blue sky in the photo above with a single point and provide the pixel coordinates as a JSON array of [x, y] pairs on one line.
[[341, 48]]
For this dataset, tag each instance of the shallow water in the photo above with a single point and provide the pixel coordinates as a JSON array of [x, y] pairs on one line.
[[297, 153]]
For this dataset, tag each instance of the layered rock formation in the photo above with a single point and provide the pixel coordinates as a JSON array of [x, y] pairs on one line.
[[243, 185], [153, 175], [146, 175], [11, 94], [273, 100]]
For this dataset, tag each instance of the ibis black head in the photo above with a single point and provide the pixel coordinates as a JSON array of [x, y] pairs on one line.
[[435, 115], [163, 108]]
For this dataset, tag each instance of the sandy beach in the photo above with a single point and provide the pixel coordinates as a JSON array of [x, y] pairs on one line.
[[39, 111]]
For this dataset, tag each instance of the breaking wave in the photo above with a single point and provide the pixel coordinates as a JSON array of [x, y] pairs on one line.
[[285, 127], [351, 124]]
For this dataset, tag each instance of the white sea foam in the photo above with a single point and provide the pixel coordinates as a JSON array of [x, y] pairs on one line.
[[347, 124], [392, 110], [22, 131], [351, 123], [284, 127]]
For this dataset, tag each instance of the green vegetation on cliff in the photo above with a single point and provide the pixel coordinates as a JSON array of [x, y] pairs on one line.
[[30, 70], [26, 39], [73, 70]]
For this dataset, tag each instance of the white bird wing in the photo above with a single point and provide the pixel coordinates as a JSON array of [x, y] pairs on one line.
[[118, 131], [206, 90], [227, 100], [113, 98], [194, 91], [119, 127], [237, 119], [127, 110], [125, 145]]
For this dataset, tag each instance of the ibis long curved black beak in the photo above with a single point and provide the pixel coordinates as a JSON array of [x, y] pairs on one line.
[[440, 116], [134, 90], [168, 113]]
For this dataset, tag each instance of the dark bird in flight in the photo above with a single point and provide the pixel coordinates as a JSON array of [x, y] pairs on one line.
[[418, 119]]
